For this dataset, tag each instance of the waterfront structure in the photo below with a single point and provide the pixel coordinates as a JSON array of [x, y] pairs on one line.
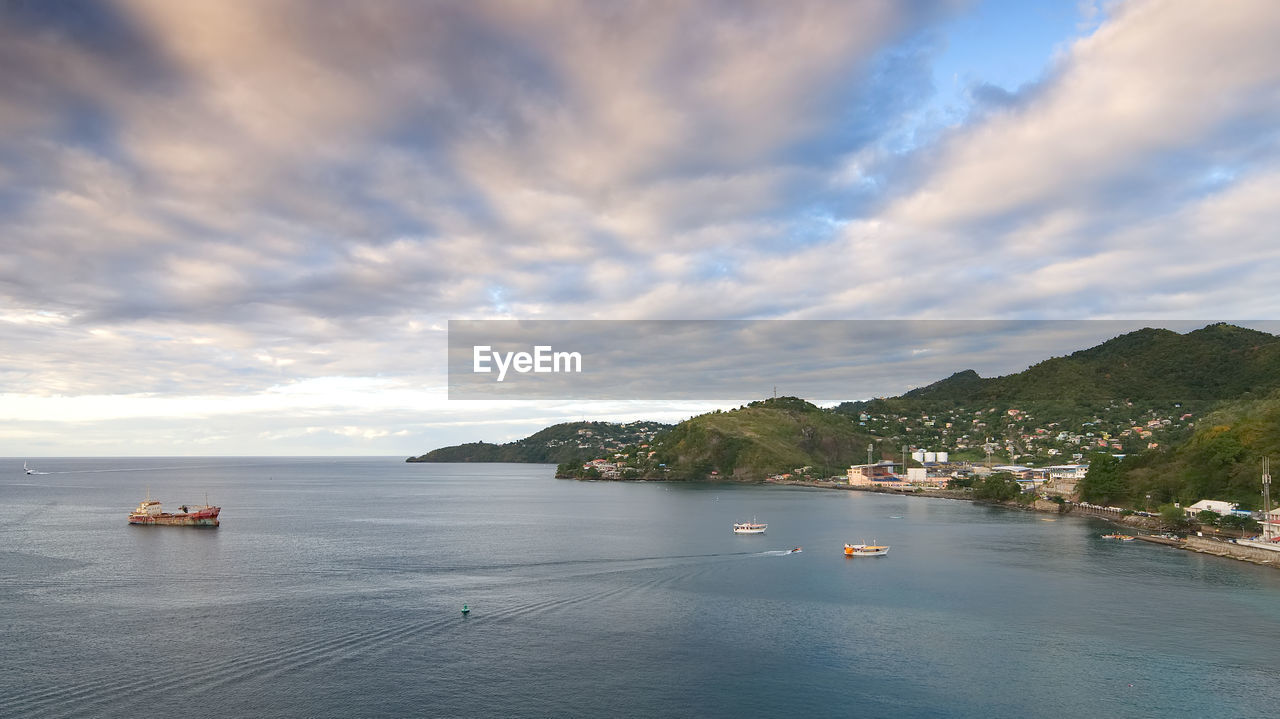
[[1068, 471], [1270, 537], [1271, 524], [873, 475], [1211, 505], [1063, 478], [924, 456], [607, 469]]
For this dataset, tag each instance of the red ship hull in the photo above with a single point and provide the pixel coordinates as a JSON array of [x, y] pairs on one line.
[[203, 517]]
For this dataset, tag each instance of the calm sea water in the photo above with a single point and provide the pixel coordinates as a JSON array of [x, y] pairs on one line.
[[334, 589]]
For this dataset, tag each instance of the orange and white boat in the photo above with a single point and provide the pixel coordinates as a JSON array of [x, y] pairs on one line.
[[866, 550]]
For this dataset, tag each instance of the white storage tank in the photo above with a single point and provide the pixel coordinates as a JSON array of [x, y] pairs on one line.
[[942, 456], [930, 457], [918, 455]]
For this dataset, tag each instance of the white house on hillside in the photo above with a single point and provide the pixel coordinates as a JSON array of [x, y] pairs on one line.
[[1213, 505]]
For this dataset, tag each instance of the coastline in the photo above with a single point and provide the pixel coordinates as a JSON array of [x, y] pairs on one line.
[[1217, 543]]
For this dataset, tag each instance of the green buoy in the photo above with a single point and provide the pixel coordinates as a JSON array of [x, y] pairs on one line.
[[465, 610]]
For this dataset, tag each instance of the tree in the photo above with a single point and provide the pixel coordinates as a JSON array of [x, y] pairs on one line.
[[1208, 516], [1173, 517], [1103, 483], [1240, 522], [998, 487], [1221, 448]]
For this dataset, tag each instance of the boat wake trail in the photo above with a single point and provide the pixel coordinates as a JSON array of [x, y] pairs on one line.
[[526, 599], [285, 657], [130, 469], [206, 675], [604, 563]]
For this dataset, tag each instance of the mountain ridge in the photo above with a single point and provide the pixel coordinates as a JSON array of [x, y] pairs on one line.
[[1141, 394]]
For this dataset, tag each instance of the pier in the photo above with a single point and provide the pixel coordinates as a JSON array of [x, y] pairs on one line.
[[1156, 539], [1233, 550]]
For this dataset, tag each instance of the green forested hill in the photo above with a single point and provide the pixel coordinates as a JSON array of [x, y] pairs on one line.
[[1225, 379], [768, 437], [751, 443], [557, 443], [1220, 460], [1217, 362]]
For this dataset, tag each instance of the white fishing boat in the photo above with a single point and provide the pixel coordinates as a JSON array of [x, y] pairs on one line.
[[752, 527]]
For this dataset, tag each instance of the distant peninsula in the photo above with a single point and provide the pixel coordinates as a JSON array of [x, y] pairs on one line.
[[565, 442]]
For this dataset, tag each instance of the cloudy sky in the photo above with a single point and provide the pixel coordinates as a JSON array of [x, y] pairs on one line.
[[241, 227]]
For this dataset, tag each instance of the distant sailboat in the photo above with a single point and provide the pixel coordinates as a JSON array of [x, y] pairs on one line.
[[27, 469]]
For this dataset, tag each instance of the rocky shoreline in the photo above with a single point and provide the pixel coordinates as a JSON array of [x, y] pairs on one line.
[[1204, 541]]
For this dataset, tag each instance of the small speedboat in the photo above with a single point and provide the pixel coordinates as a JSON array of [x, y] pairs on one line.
[[797, 549]]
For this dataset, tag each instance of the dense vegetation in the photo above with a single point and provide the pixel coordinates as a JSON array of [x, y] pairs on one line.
[[997, 487], [772, 436], [1214, 363], [570, 441], [1221, 460], [775, 436]]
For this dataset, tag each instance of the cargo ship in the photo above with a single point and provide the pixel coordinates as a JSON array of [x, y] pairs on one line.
[[149, 512]]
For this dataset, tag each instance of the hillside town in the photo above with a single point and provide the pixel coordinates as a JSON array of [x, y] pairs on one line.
[[936, 472], [1046, 455], [1036, 433]]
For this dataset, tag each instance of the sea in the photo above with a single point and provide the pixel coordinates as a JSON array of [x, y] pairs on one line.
[[335, 586]]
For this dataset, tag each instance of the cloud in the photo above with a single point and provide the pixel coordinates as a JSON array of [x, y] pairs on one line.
[[1162, 85], [220, 198], [278, 173]]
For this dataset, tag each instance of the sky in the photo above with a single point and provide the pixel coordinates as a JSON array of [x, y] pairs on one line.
[[242, 227]]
